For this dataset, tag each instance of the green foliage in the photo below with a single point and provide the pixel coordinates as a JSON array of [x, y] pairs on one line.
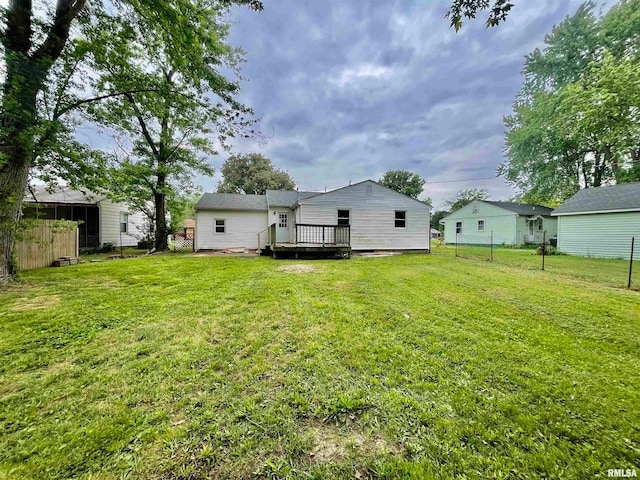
[[60, 58], [405, 182], [180, 208], [437, 216], [576, 122], [465, 197], [460, 9], [134, 369], [252, 173]]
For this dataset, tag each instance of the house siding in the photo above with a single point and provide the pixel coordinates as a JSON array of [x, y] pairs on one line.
[[508, 227], [241, 229], [372, 217], [110, 224], [502, 222], [599, 235]]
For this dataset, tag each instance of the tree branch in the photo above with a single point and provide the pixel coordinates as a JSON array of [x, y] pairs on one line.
[[66, 12]]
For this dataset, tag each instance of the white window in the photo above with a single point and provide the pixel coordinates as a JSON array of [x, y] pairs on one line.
[[458, 227], [343, 217], [401, 219], [220, 225], [124, 222], [283, 220], [481, 225]]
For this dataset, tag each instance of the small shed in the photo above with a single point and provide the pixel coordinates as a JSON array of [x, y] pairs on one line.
[[600, 222]]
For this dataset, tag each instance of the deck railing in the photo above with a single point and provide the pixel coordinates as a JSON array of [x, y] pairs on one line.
[[323, 234]]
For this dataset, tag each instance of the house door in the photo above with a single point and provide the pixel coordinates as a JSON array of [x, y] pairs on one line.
[[282, 227]]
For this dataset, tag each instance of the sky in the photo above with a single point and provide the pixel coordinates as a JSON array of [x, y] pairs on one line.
[[348, 89]]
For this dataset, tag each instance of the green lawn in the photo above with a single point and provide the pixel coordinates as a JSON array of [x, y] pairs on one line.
[[419, 366]]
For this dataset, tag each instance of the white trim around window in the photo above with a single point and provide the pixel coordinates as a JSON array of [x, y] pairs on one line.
[[481, 225], [220, 226], [400, 219]]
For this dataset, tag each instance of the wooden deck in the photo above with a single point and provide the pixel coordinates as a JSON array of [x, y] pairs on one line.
[[312, 241]]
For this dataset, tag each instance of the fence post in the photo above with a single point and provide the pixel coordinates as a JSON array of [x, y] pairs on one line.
[[491, 247], [544, 247], [456, 244], [633, 241]]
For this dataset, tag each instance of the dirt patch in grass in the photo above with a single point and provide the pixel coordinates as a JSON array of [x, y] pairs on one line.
[[37, 303], [332, 445], [298, 268]]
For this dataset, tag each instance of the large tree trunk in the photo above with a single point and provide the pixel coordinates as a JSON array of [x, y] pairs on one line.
[[13, 181], [159, 198]]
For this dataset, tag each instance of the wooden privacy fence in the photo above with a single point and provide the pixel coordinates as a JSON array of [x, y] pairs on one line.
[[42, 243]]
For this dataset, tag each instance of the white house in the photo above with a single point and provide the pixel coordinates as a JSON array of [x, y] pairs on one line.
[[509, 223], [600, 222], [364, 216], [101, 221]]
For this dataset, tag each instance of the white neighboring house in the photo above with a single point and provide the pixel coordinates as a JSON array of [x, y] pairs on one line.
[[102, 221], [377, 218], [600, 222]]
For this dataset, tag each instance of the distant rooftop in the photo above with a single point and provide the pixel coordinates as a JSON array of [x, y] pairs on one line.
[[232, 201], [625, 196], [522, 208], [287, 198]]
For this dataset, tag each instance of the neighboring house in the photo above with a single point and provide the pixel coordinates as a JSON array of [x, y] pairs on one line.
[[510, 223], [187, 227], [365, 215], [435, 233], [600, 222], [101, 221]]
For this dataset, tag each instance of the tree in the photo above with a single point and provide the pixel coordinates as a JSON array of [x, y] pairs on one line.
[[181, 207], [575, 122], [252, 173], [436, 217], [166, 133], [41, 58], [498, 11], [465, 197], [403, 181]]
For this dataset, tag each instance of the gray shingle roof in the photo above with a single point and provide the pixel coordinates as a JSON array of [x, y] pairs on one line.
[[521, 208], [286, 198], [231, 201], [625, 196]]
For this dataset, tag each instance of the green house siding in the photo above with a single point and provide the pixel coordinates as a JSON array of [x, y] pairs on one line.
[[604, 235], [508, 227], [498, 220]]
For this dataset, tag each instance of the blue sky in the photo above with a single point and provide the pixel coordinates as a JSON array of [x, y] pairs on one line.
[[348, 89]]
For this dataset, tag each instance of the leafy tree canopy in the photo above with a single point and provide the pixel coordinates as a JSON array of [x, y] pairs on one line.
[[465, 197], [461, 9], [56, 59], [403, 181], [252, 173], [576, 122]]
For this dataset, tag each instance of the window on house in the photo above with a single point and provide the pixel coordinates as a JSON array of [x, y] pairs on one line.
[[343, 217], [539, 225], [475, 208], [458, 227], [220, 225], [481, 225], [401, 219], [283, 220], [124, 222]]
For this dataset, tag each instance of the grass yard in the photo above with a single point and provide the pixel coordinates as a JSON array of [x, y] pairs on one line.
[[419, 366]]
